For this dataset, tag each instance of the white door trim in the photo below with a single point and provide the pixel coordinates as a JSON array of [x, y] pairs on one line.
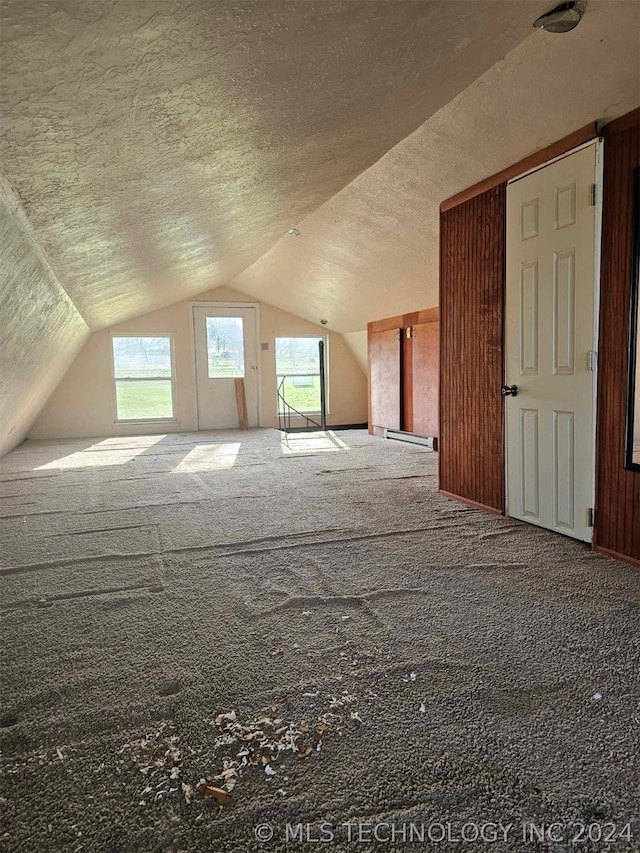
[[596, 308], [598, 142], [192, 333]]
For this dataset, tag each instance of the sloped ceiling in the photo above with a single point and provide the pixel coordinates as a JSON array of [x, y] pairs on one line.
[[371, 251], [40, 329], [161, 147]]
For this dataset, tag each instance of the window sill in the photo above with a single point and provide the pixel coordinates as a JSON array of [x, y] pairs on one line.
[[302, 415], [147, 422]]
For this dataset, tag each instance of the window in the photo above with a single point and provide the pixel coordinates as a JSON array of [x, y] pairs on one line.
[[298, 364], [143, 374], [225, 347]]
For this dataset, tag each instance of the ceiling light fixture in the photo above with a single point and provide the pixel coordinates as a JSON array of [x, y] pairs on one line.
[[294, 232], [561, 19]]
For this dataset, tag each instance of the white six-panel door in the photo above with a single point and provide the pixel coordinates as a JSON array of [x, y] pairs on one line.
[[549, 341]]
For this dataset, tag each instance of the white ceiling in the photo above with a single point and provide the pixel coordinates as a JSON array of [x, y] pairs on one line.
[[371, 251], [161, 148]]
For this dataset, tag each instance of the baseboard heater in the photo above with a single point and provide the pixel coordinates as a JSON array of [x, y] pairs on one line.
[[430, 441]]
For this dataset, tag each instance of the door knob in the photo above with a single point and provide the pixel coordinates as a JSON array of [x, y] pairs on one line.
[[509, 390]]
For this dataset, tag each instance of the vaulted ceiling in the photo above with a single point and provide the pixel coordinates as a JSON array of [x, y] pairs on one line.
[[371, 251], [156, 149], [161, 147]]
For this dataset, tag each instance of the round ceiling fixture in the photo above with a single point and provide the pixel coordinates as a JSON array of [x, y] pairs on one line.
[[561, 19], [294, 232]]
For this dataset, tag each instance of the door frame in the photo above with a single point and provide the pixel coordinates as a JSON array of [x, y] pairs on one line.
[[192, 336], [598, 142]]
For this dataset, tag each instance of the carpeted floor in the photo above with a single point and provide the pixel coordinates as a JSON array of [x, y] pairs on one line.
[[450, 667]]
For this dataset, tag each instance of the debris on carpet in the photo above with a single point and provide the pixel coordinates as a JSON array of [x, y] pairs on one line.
[[244, 748], [158, 757]]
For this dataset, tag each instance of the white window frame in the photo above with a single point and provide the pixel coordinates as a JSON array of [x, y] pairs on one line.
[[114, 379], [325, 338]]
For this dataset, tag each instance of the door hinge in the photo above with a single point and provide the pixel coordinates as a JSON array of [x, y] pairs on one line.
[[593, 195], [592, 360], [410, 332], [591, 516]]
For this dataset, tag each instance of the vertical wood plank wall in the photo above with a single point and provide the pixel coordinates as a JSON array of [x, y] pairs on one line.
[[617, 527], [472, 250]]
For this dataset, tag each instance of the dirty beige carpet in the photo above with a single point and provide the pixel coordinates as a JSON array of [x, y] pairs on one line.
[[452, 669]]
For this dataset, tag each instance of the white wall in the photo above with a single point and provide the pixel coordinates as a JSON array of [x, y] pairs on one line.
[[40, 329], [83, 404], [357, 343]]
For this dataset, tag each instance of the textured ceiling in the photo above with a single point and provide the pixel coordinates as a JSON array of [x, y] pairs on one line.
[[160, 147], [372, 250]]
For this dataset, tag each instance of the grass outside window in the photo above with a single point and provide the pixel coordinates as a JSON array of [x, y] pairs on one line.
[[143, 374], [298, 363]]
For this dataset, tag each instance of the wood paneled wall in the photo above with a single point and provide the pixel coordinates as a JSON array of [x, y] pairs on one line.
[[403, 373], [472, 249], [617, 528], [472, 246], [421, 402], [384, 379]]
